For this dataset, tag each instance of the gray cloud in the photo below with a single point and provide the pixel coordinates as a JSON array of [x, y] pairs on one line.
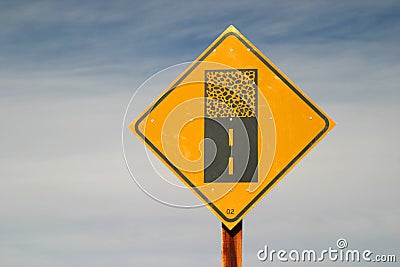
[[67, 71]]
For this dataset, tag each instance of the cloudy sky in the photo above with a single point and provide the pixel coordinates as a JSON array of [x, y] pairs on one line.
[[68, 70]]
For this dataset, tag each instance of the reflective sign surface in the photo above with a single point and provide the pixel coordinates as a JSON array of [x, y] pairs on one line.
[[231, 126]]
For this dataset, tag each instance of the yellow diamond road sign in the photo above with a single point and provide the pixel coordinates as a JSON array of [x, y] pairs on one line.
[[231, 126]]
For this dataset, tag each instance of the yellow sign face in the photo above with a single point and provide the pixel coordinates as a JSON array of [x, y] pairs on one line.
[[231, 126]]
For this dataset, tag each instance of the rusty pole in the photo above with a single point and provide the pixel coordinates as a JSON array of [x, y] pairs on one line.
[[232, 246]]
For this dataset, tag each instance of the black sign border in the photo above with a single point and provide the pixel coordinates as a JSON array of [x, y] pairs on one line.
[[280, 174]]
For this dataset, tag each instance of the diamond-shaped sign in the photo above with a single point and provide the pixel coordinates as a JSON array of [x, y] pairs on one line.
[[231, 126]]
